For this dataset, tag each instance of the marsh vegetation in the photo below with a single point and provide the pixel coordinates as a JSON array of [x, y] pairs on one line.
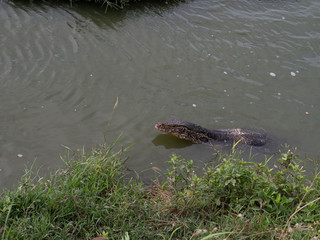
[[93, 196]]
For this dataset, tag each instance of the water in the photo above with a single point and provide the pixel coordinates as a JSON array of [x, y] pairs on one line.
[[220, 64]]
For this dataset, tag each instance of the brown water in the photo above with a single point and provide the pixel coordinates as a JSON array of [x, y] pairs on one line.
[[220, 64]]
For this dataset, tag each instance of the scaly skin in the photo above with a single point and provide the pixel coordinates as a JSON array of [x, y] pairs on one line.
[[197, 134]]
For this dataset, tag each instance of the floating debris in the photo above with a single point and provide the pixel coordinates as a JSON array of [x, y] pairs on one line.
[[293, 74], [116, 104], [19, 155], [194, 105], [155, 169], [272, 74]]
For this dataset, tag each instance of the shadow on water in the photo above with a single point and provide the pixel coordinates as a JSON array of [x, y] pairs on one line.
[[97, 12], [169, 141]]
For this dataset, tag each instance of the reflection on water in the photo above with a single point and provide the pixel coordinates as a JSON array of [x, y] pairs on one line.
[[169, 141], [220, 64]]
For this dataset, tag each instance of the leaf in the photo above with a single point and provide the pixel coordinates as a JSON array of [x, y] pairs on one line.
[[277, 201]]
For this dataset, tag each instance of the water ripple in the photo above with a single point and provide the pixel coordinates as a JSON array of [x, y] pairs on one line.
[[62, 68]]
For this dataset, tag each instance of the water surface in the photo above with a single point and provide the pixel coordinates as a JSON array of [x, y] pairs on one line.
[[220, 64]]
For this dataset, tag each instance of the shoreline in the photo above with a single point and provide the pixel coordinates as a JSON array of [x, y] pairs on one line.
[[90, 196]]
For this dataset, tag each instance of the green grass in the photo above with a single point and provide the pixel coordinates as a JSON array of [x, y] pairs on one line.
[[92, 196]]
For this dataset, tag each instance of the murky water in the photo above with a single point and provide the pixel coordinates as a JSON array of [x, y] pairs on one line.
[[217, 63]]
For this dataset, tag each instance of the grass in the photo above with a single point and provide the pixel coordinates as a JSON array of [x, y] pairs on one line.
[[92, 196]]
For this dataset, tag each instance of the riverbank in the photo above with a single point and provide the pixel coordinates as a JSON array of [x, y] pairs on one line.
[[91, 196]]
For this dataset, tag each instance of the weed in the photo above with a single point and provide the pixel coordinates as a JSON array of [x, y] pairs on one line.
[[235, 199]]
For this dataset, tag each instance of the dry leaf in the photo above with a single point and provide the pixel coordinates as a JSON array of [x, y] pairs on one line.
[[158, 170], [116, 104]]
